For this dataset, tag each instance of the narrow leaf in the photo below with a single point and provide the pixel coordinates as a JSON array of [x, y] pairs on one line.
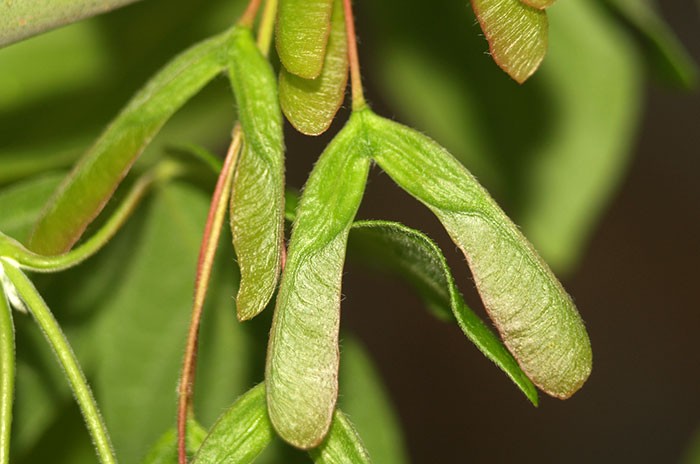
[[7, 372], [302, 362], [666, 51], [21, 19], [257, 199], [517, 35], [311, 104], [342, 445], [86, 190], [418, 259], [303, 27], [240, 434], [535, 316], [165, 450]]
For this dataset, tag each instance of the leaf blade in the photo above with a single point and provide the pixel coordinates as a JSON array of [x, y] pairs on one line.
[[93, 180], [342, 445], [415, 257]]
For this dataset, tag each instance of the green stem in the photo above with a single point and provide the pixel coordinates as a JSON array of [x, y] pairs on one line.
[[267, 26], [52, 331], [29, 260], [7, 374]]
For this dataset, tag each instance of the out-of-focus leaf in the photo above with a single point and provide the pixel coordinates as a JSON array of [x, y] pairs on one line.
[[87, 189], [342, 445], [311, 104], [24, 79], [302, 35], [143, 326], [240, 434], [257, 198], [302, 362], [517, 35], [667, 53], [21, 203], [539, 157], [165, 450], [412, 255], [365, 401], [692, 452], [20, 19], [536, 318]]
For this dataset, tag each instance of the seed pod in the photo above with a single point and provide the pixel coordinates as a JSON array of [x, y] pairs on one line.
[[302, 35], [311, 104], [92, 182], [533, 313], [517, 35], [257, 198], [240, 434], [302, 359]]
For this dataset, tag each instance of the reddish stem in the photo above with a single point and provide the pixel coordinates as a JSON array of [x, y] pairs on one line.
[[251, 11], [207, 250], [358, 97]]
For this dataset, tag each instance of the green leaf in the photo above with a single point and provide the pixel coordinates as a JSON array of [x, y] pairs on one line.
[[311, 104], [418, 259], [20, 19], [7, 372], [303, 27], [257, 199], [165, 450], [342, 445], [533, 313], [302, 363], [22, 202], [517, 35], [240, 434], [86, 190], [366, 401], [666, 52]]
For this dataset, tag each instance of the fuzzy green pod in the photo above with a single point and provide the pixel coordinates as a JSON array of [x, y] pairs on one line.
[[302, 358], [240, 434], [303, 27], [539, 4], [94, 179], [517, 35], [311, 104], [257, 198], [533, 313]]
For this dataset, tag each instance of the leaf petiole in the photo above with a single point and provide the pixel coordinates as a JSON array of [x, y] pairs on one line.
[[7, 374]]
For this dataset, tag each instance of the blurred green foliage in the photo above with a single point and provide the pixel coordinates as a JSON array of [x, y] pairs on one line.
[[552, 151]]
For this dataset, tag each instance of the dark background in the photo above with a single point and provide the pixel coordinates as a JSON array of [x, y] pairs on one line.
[[636, 288]]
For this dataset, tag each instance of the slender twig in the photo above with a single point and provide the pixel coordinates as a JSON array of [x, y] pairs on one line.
[[207, 250], [52, 331], [7, 374], [267, 26], [40, 263], [251, 11], [358, 97]]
